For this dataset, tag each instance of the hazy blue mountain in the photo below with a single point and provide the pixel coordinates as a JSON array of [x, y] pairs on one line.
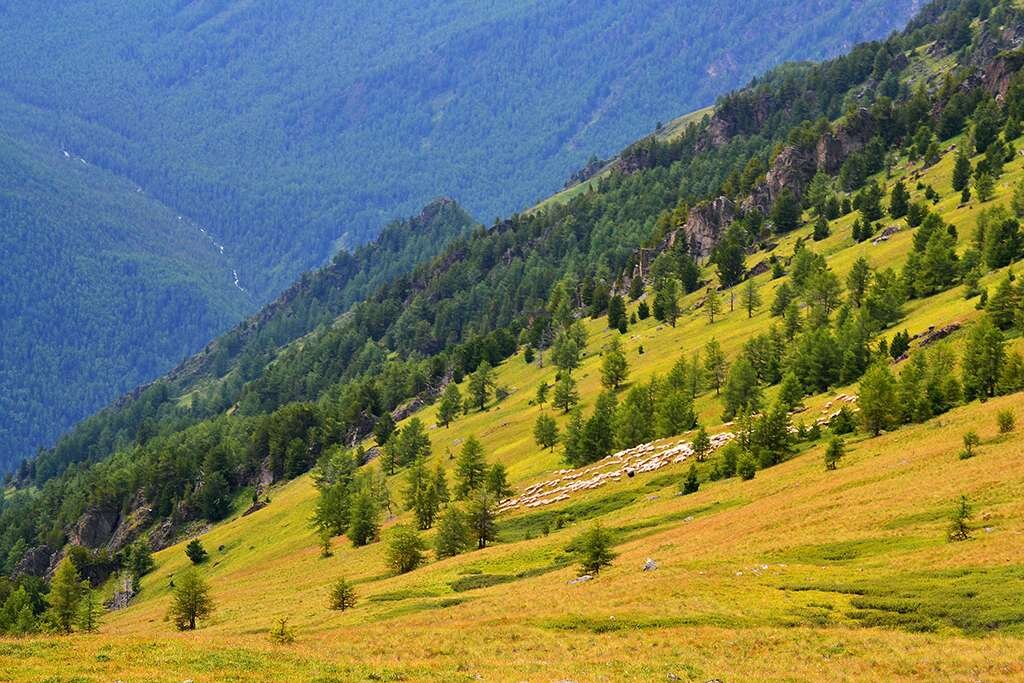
[[290, 130]]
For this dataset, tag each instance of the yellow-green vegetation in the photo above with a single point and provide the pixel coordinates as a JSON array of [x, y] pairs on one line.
[[801, 573]]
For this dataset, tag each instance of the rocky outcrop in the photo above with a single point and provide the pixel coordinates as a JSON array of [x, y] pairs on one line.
[[998, 73], [35, 561], [705, 225], [94, 528], [131, 524], [792, 169], [847, 137]]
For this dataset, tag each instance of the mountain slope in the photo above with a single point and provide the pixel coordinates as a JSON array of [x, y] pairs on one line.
[[776, 565], [290, 132], [102, 288]]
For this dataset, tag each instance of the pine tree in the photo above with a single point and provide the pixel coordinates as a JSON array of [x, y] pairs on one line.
[[742, 393], [87, 619], [701, 444], [190, 601], [496, 482], [785, 214], [616, 312], [480, 516], [751, 297], [692, 483], [961, 170], [1017, 201], [545, 431], [449, 405], [984, 187], [66, 591], [674, 413], [899, 200], [383, 428], [593, 548], [470, 468], [834, 452], [196, 552], [363, 518], [573, 440], [542, 392], [983, 360], [405, 549], [614, 368], [643, 311], [791, 391], [666, 301], [959, 526], [481, 381], [566, 396], [452, 534], [715, 365], [857, 281], [712, 304], [877, 399], [821, 230]]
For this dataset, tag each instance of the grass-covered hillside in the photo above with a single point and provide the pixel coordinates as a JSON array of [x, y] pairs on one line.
[[746, 407], [293, 132]]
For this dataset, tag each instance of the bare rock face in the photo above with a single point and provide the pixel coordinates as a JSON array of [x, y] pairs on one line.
[[94, 528], [793, 168], [706, 223], [997, 74], [131, 524], [35, 561]]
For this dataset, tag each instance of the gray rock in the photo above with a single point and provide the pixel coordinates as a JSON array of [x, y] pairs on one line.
[[650, 565]]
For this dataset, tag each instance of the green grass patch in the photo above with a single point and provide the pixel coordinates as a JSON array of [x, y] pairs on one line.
[[397, 596], [847, 551], [613, 623], [973, 601]]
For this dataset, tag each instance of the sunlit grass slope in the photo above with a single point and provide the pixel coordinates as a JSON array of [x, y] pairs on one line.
[[799, 574]]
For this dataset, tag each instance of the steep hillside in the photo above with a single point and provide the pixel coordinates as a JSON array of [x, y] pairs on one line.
[[291, 132], [103, 288], [818, 275]]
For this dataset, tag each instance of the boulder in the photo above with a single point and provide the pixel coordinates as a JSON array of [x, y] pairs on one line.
[[650, 565]]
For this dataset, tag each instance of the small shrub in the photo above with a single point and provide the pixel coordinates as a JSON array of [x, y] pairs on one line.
[[1005, 421], [405, 549], [971, 439], [593, 549], [692, 482], [959, 527], [835, 451], [196, 552], [746, 467], [343, 595], [281, 633]]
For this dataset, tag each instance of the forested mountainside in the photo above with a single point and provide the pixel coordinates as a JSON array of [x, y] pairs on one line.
[[785, 317], [290, 131], [521, 282], [101, 288]]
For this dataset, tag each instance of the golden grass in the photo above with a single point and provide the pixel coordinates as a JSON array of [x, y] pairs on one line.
[[756, 579]]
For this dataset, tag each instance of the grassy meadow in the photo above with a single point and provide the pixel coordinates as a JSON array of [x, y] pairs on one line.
[[798, 574]]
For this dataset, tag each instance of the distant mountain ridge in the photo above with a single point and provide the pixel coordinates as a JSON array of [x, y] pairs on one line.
[[293, 131]]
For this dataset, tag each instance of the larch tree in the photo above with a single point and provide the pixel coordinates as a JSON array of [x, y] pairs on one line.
[[190, 601]]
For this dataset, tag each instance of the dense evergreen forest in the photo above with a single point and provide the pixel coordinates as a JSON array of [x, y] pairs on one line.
[[289, 132], [243, 412], [101, 288]]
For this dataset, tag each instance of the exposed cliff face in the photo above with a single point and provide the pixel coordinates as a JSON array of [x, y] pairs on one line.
[[705, 225], [94, 528]]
